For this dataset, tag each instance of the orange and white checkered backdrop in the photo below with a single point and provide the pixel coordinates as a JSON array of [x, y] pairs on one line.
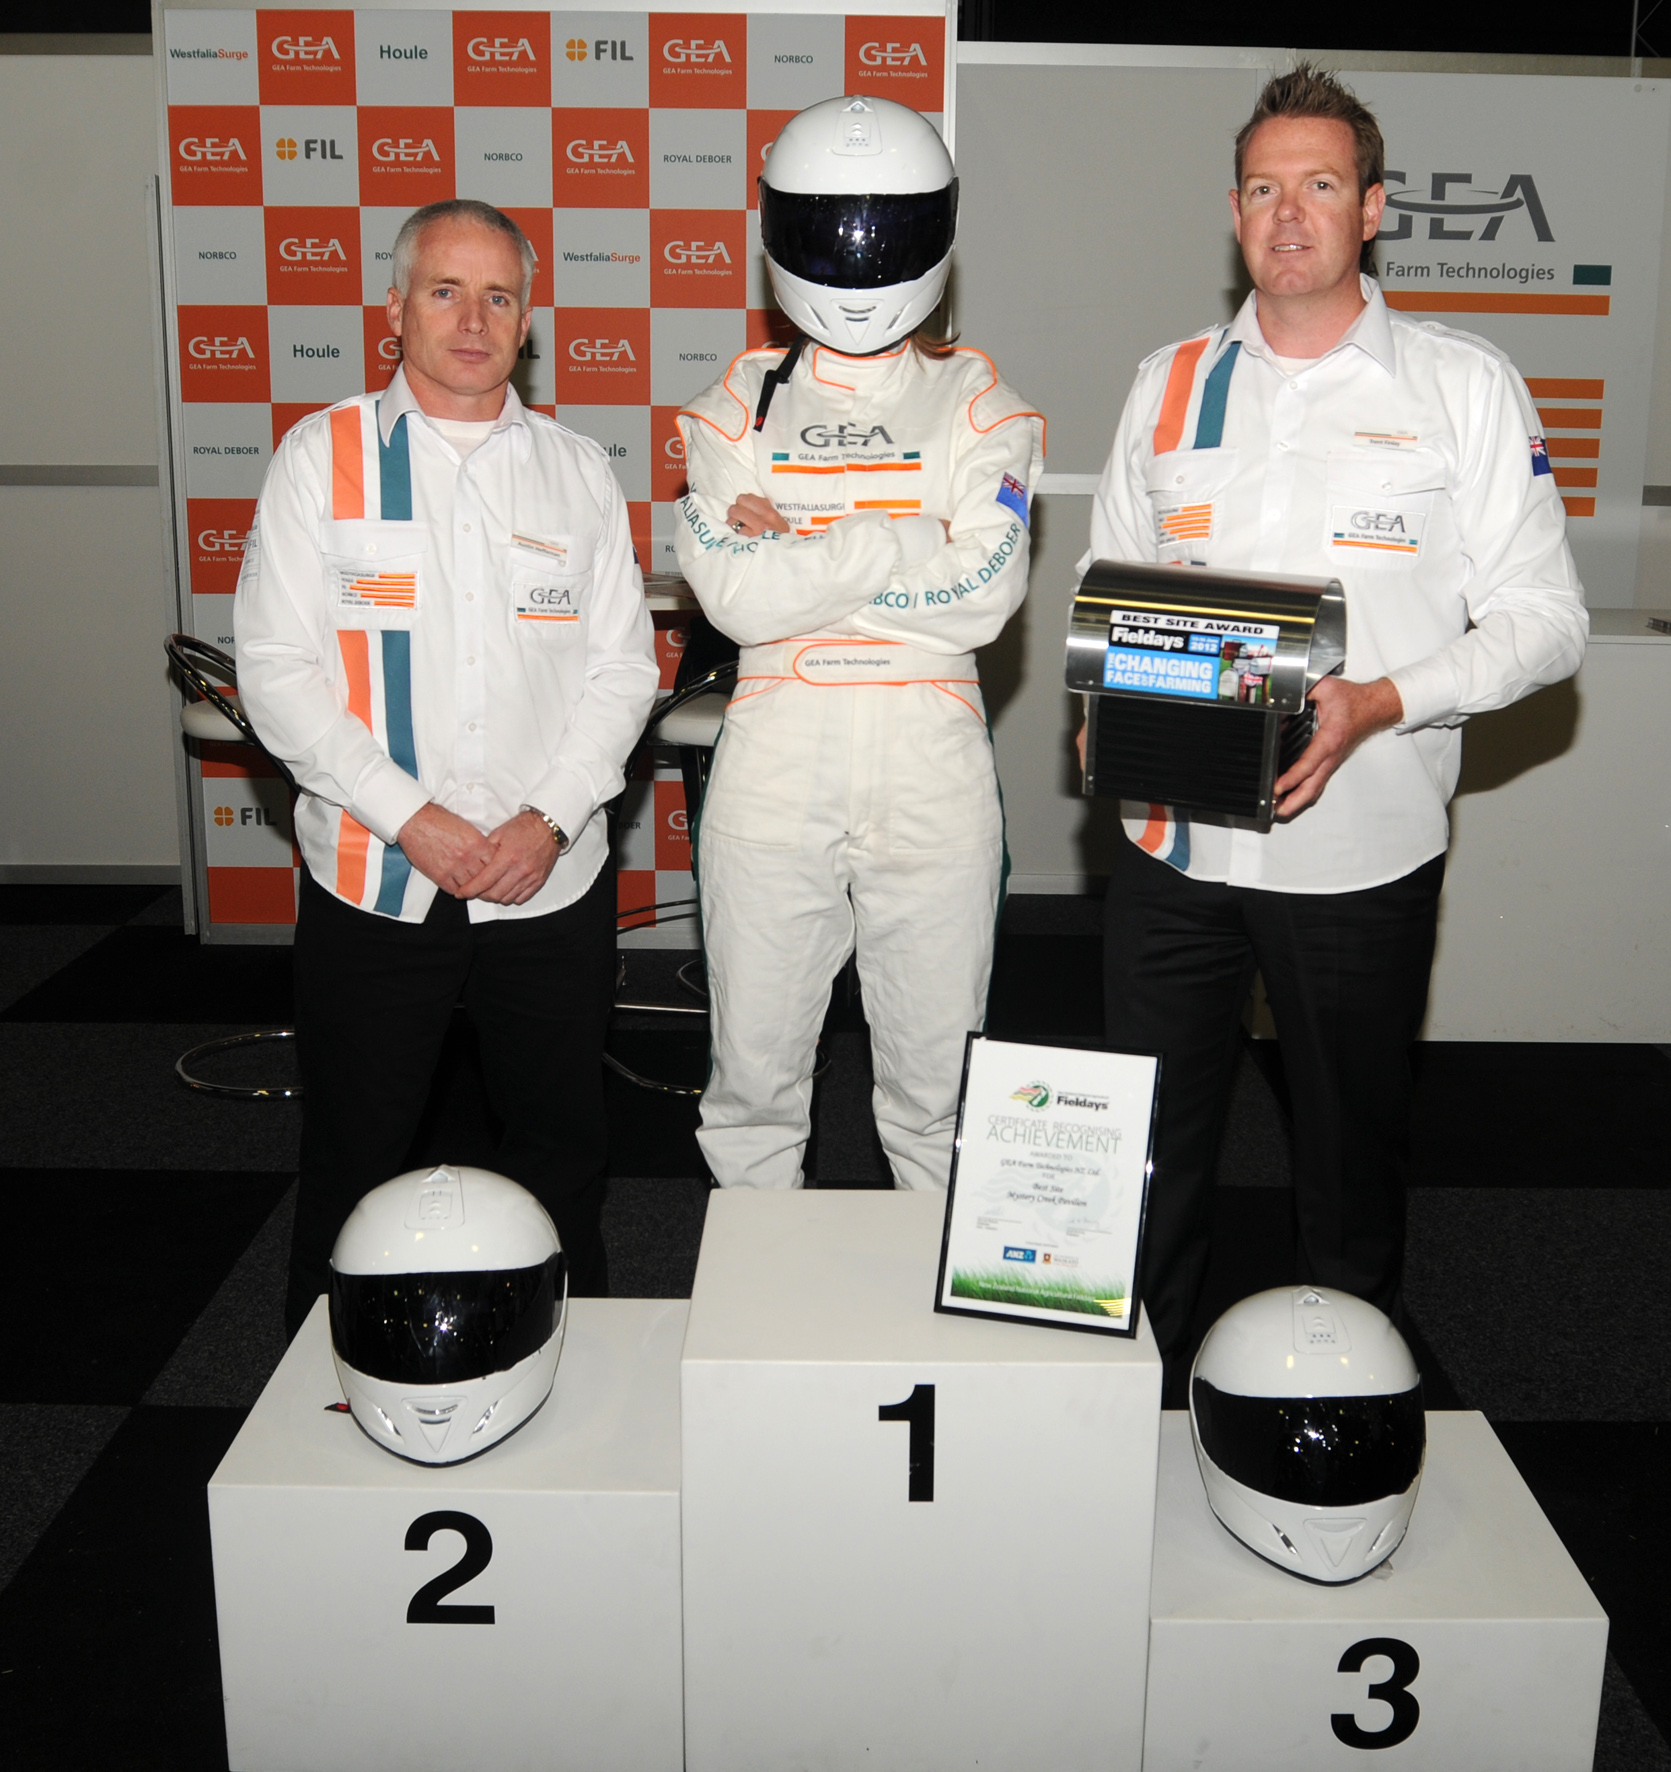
[[626, 145]]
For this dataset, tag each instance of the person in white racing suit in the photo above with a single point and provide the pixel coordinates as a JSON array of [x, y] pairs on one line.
[[857, 523]]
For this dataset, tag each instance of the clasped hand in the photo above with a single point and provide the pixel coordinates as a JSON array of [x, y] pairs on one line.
[[507, 866]]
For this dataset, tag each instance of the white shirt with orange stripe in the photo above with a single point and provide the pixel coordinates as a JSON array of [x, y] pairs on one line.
[[1406, 462], [414, 627]]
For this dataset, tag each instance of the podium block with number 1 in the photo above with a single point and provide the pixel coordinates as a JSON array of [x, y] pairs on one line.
[[911, 1541]]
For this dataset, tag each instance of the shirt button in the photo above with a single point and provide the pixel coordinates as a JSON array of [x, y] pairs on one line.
[[1179, 481], [1293, 388], [472, 726], [466, 528], [470, 660], [469, 596]]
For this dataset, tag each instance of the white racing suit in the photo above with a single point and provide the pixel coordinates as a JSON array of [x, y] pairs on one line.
[[853, 799]]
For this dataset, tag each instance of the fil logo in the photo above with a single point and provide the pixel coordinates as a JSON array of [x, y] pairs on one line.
[[693, 252], [696, 50], [843, 436], [1472, 205], [892, 55], [226, 817], [219, 349], [297, 251], [599, 153], [600, 350], [220, 541], [305, 49], [309, 148], [212, 150], [405, 151], [500, 49]]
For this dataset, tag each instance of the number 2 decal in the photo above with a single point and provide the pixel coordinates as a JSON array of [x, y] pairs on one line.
[[1393, 1690], [918, 1410], [425, 1607]]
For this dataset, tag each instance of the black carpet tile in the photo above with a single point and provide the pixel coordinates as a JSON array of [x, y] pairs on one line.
[[1573, 1320], [159, 974], [45, 1451], [117, 1265], [31, 954], [92, 1096], [1603, 1485], [107, 1632], [86, 904]]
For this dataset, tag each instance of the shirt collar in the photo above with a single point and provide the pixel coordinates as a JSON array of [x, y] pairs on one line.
[[1370, 333], [399, 400]]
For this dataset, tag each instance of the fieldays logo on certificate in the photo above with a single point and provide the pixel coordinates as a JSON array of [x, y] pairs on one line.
[[1048, 1186]]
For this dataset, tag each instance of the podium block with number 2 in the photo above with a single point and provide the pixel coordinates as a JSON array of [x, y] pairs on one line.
[[911, 1541], [517, 1613]]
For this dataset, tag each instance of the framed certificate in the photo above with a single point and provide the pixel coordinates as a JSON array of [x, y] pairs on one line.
[[1050, 1178]]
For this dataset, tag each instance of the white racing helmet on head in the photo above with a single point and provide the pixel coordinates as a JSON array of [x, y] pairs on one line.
[[449, 1292], [1306, 1409], [858, 207]]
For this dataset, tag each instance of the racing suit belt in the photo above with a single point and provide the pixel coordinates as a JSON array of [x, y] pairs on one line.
[[833, 661]]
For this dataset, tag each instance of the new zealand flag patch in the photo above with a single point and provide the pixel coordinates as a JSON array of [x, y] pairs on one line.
[[1540, 457], [1013, 495]]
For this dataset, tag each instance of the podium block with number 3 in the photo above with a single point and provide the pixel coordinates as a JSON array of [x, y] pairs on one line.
[[1477, 1648], [518, 1613], [911, 1541]]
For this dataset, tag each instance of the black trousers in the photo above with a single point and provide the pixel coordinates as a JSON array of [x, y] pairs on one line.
[[1347, 976], [373, 1002]]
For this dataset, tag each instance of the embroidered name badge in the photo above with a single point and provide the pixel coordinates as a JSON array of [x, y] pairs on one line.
[[376, 590], [557, 552], [1012, 495], [1386, 439], [1376, 531], [1186, 523]]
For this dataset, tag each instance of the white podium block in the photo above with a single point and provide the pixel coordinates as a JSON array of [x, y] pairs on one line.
[[1477, 1648], [565, 1536], [911, 1541]]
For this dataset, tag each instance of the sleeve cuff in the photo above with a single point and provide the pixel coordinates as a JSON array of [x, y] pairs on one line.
[[385, 797], [1427, 690], [920, 538]]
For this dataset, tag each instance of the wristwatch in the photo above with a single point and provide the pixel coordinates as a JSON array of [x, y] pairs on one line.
[[551, 825]]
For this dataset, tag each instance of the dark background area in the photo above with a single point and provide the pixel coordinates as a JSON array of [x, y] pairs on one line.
[[1498, 28]]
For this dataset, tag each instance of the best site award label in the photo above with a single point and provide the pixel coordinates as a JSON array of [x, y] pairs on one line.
[[1049, 1181]]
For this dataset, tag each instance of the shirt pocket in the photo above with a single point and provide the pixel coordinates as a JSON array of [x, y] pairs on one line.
[[1379, 507], [550, 586], [1186, 488], [375, 572]]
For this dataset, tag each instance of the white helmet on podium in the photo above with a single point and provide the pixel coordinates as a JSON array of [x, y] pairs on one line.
[[1306, 1409], [858, 207], [449, 1292]]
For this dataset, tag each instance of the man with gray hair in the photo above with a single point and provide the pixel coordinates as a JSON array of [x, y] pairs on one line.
[[441, 631]]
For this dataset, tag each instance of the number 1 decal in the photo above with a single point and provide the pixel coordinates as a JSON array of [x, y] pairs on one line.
[[918, 1410], [1393, 1690]]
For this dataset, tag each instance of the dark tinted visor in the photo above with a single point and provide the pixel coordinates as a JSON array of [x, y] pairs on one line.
[[857, 242], [1320, 1451], [444, 1328]]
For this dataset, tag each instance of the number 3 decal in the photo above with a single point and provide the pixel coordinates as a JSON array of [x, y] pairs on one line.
[[425, 1607], [1393, 1690]]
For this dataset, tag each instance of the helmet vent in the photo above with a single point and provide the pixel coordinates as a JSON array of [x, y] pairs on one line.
[[858, 130]]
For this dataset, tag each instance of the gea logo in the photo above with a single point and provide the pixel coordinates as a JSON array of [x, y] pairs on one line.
[[405, 151], [221, 541], [677, 821], [693, 49], [892, 55], [499, 49], [312, 252], [1518, 192], [600, 350], [599, 153], [693, 252], [218, 349], [212, 148], [305, 49], [674, 448], [388, 349], [843, 436]]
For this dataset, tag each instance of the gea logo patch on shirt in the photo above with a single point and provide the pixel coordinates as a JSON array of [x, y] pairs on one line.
[[540, 601], [1377, 531]]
